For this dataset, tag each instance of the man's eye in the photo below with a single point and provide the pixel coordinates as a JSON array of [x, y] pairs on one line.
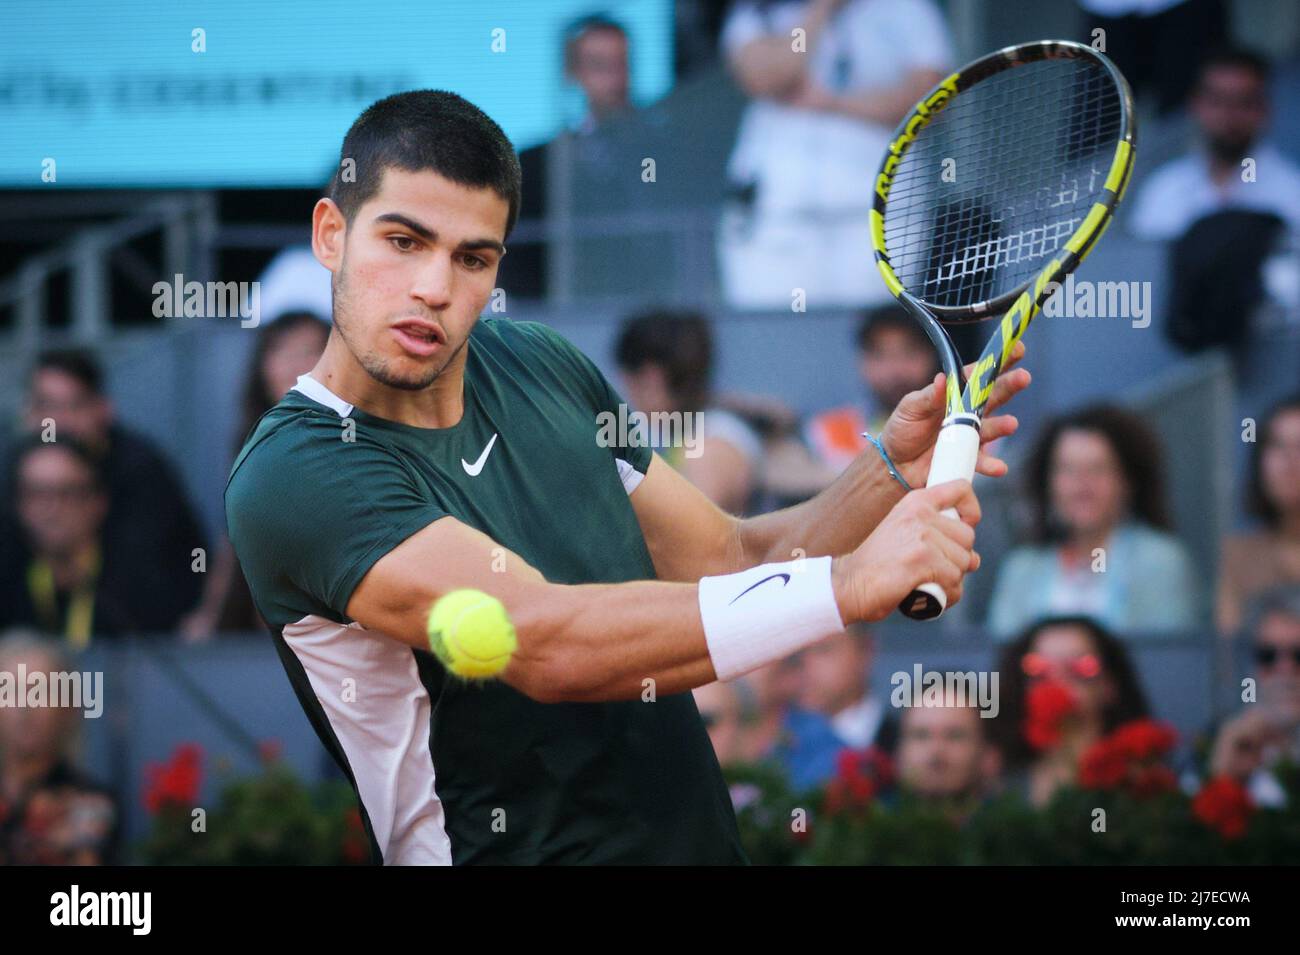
[[474, 263], [403, 243]]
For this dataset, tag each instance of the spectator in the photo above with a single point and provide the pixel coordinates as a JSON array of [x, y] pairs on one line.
[[596, 61], [945, 755], [666, 360], [150, 526], [596, 54], [894, 358], [824, 103], [1156, 42], [1231, 109], [1101, 543], [721, 706], [286, 348], [800, 742], [64, 583], [836, 683], [50, 812], [1065, 683], [1267, 731], [1255, 562]]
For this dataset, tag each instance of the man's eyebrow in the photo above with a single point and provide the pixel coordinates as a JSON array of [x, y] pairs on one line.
[[424, 232]]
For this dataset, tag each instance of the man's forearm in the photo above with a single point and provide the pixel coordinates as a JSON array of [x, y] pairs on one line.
[[834, 522], [593, 642]]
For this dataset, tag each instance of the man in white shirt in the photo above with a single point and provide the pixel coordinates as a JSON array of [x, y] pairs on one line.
[[830, 79], [1231, 110]]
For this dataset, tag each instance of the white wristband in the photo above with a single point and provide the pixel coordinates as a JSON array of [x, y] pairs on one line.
[[765, 613]]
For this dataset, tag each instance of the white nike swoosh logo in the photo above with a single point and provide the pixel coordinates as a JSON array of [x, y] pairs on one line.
[[473, 469]]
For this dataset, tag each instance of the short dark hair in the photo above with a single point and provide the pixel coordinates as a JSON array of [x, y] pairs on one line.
[[679, 342], [1237, 58], [1136, 446], [78, 363], [1257, 502], [423, 130], [580, 27], [887, 317], [30, 444]]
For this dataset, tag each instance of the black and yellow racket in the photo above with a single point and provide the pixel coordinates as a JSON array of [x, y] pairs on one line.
[[994, 188]]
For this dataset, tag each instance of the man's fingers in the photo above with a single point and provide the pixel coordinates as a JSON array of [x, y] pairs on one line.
[[999, 426], [1007, 386], [990, 466], [957, 494]]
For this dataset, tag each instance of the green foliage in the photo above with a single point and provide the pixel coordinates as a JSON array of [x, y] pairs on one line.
[[271, 818]]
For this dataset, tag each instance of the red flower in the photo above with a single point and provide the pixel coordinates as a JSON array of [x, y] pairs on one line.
[[1224, 805], [268, 751], [355, 848], [860, 774], [1103, 766], [1144, 739], [175, 783], [1047, 706], [1127, 759]]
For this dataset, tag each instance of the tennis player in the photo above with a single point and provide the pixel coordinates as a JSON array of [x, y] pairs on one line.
[[431, 449]]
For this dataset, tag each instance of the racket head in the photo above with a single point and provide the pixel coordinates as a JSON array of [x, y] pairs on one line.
[[994, 188]]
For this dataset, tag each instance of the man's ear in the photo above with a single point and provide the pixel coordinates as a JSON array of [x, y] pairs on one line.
[[329, 229]]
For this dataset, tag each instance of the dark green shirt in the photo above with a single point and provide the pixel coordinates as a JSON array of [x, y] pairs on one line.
[[448, 771]]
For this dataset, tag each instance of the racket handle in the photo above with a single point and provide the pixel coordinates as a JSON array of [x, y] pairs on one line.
[[954, 457]]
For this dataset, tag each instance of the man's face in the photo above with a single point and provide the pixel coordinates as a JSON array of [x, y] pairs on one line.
[[1231, 108], [75, 409], [417, 265], [31, 731], [1277, 657], [834, 674], [941, 751], [59, 506], [895, 363], [600, 68]]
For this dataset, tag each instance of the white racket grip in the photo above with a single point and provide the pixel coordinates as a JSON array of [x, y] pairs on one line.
[[955, 454]]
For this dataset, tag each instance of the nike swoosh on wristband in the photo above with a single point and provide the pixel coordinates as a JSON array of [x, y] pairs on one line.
[[785, 579], [473, 469]]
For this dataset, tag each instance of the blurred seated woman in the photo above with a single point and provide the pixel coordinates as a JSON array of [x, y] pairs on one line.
[[50, 812], [1065, 683], [286, 348], [1101, 542], [1270, 556]]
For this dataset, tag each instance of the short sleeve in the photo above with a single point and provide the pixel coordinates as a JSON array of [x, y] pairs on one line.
[[595, 388], [310, 513]]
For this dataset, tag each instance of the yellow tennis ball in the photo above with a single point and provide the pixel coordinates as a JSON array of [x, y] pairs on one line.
[[471, 633]]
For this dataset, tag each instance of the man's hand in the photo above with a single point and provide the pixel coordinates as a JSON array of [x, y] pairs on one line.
[[915, 544], [912, 429]]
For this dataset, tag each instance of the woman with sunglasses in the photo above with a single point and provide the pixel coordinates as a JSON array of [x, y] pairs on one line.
[[1065, 683]]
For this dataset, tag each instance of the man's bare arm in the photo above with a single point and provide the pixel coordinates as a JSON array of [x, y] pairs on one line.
[[592, 642]]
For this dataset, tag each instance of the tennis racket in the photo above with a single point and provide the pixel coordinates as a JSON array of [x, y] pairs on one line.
[[993, 189]]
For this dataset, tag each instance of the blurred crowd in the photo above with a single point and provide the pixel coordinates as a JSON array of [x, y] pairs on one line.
[[99, 538]]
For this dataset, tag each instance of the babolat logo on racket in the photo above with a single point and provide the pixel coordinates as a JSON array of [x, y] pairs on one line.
[[925, 109]]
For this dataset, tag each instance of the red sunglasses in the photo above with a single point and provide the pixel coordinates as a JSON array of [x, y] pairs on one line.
[[1086, 667]]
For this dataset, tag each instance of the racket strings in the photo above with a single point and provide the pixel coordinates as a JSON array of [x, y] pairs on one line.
[[1000, 180]]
